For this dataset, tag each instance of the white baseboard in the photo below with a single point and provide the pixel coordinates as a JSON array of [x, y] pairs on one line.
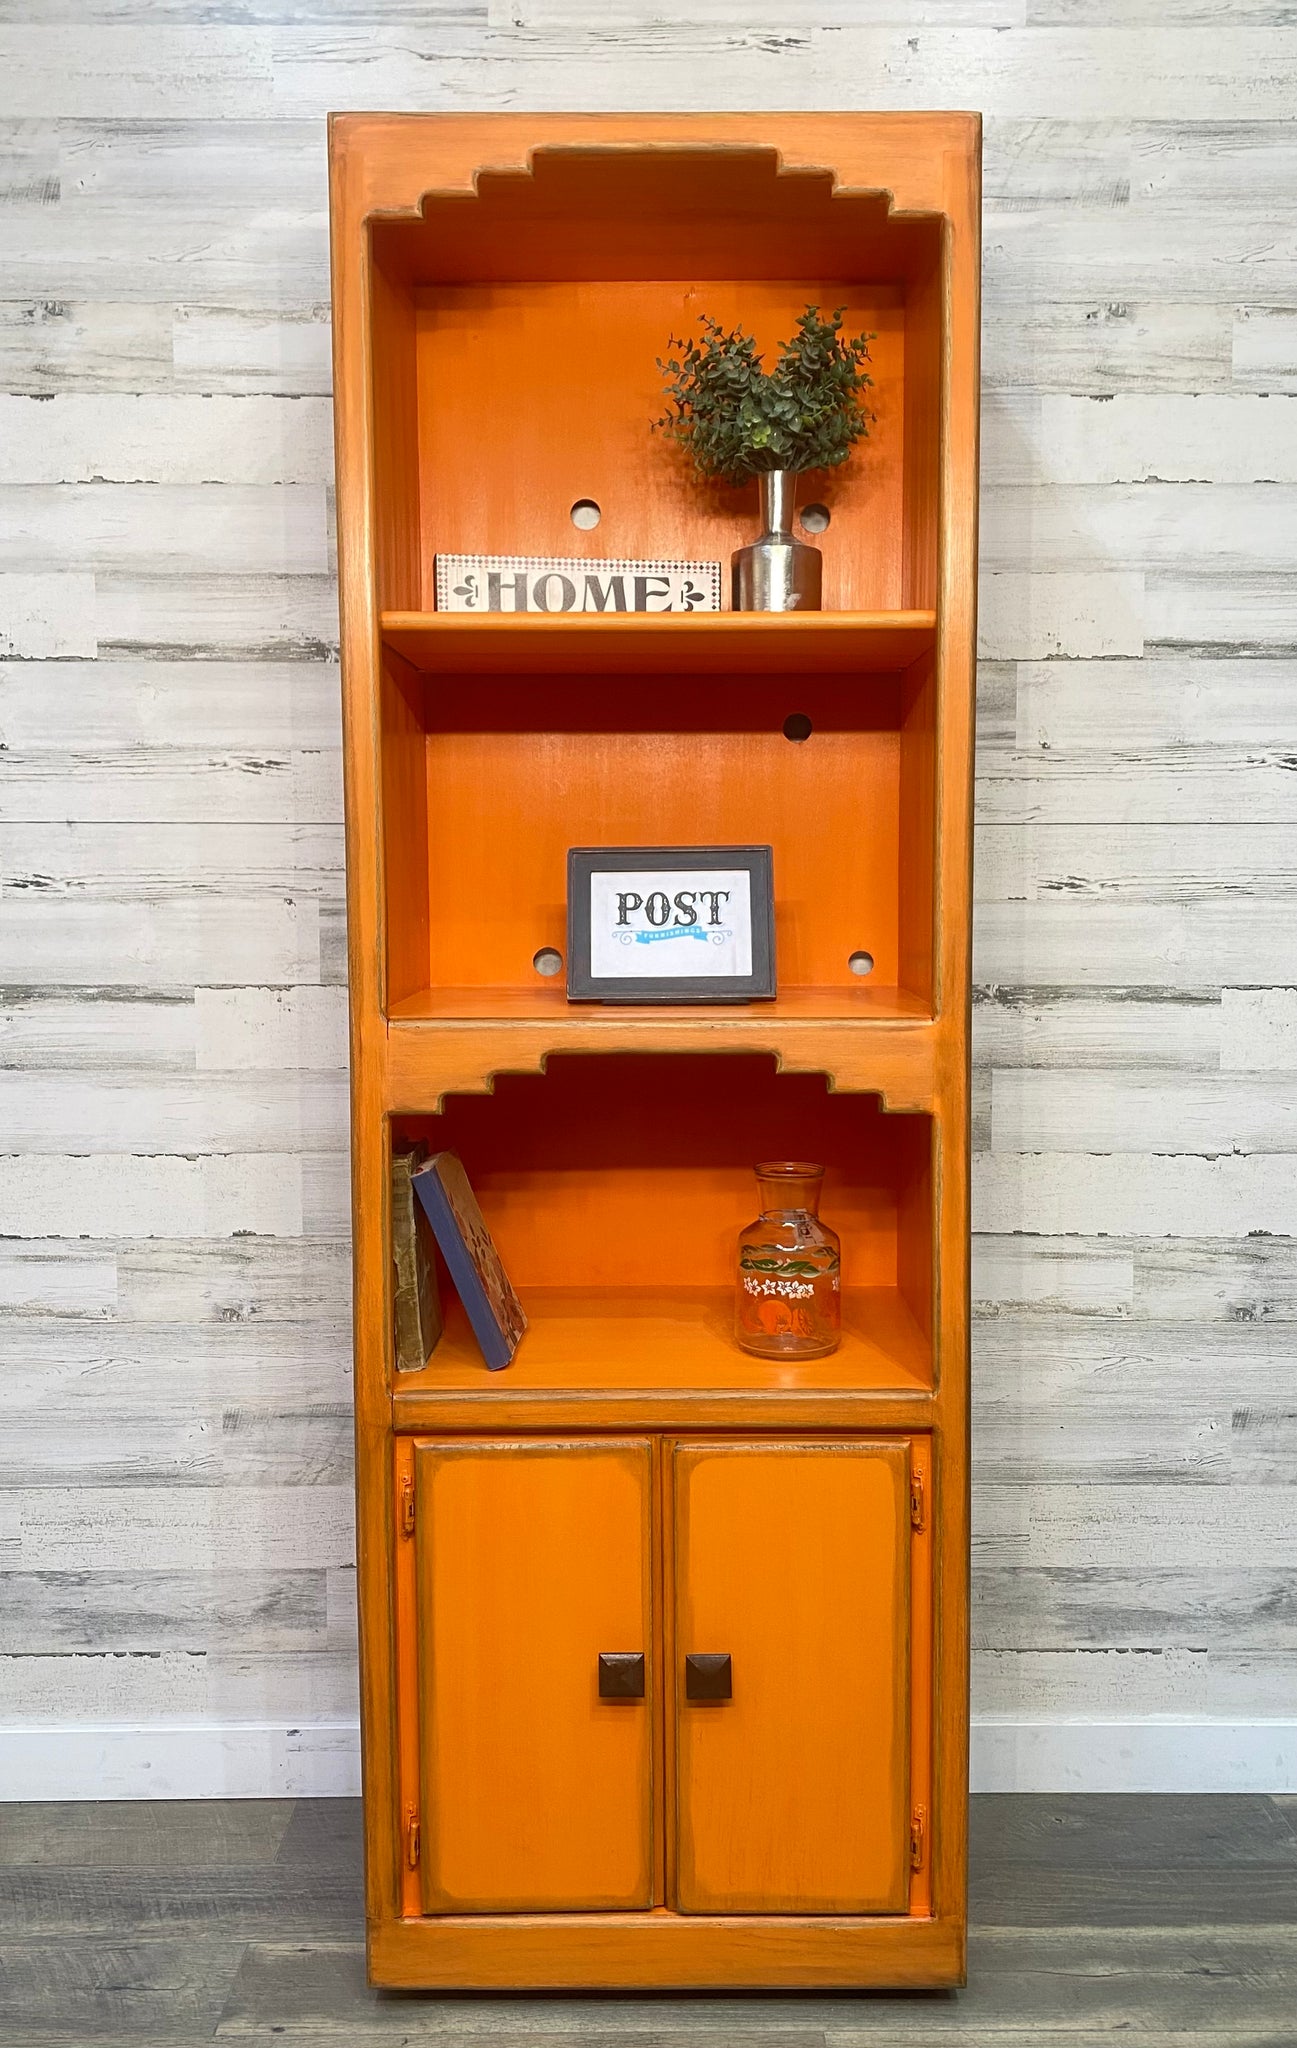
[[236, 1760], [1162, 1755], [258, 1760]]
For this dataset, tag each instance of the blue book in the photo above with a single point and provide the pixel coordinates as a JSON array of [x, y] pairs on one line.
[[465, 1243]]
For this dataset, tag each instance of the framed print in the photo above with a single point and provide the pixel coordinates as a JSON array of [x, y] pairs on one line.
[[465, 1243], [670, 924]]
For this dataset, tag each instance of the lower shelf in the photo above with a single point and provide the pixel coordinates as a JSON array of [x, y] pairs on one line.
[[646, 1339]]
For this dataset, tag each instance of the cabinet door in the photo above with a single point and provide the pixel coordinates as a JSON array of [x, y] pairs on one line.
[[792, 1794], [534, 1559]]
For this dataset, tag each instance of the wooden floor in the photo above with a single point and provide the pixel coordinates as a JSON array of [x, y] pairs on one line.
[[1158, 1921]]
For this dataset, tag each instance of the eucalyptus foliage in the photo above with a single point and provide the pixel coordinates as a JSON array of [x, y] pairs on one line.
[[738, 419]]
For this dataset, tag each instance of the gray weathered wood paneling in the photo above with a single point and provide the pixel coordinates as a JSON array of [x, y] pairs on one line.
[[174, 1468]]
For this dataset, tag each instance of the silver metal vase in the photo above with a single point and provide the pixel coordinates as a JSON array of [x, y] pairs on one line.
[[777, 573]]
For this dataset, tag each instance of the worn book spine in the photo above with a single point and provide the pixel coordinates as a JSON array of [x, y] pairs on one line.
[[416, 1304], [496, 1315]]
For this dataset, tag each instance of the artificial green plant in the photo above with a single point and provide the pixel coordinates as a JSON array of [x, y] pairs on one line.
[[738, 420]]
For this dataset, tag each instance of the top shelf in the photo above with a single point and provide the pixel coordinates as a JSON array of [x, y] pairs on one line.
[[715, 643]]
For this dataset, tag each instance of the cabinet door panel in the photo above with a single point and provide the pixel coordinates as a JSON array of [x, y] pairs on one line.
[[792, 1793], [533, 1559]]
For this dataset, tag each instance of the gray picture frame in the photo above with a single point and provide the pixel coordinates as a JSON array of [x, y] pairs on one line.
[[583, 986]]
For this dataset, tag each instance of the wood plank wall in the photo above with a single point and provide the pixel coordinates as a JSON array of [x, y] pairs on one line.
[[175, 1517]]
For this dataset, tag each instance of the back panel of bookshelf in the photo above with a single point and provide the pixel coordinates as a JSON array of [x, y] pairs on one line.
[[532, 397], [489, 780]]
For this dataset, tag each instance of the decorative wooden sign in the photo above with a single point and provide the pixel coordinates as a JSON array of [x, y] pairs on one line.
[[559, 583]]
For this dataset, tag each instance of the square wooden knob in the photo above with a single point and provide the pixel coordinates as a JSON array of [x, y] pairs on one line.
[[621, 1674], [709, 1676]]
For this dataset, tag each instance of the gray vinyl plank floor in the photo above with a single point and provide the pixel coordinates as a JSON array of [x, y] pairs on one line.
[[1160, 1921]]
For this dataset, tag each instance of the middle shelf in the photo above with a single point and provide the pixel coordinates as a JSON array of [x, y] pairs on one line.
[[856, 1001]]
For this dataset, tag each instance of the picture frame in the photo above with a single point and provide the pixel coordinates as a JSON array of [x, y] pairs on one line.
[[494, 1311], [637, 914]]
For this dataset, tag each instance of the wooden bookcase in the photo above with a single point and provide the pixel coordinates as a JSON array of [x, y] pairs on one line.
[[634, 1482]]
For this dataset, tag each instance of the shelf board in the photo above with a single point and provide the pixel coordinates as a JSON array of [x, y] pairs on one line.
[[717, 643], [680, 1340], [547, 1004]]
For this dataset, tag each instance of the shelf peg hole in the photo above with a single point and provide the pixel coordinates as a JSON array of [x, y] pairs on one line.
[[797, 726], [548, 961], [815, 518], [586, 514], [861, 963]]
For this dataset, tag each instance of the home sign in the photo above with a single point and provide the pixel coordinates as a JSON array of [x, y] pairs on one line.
[[559, 583]]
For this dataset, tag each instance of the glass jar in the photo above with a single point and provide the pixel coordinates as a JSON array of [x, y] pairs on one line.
[[788, 1302]]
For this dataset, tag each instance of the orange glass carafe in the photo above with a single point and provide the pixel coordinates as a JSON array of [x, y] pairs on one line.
[[788, 1299]]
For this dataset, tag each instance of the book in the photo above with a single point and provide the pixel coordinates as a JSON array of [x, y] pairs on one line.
[[416, 1305], [494, 1310]]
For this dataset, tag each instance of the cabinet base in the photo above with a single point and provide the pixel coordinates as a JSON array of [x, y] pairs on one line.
[[665, 1951]]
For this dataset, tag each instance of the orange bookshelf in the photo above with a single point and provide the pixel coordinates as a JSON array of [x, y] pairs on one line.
[[634, 1485]]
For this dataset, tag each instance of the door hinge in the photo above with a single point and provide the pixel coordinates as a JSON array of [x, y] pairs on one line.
[[407, 1505], [412, 1837], [918, 1502], [918, 1838]]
